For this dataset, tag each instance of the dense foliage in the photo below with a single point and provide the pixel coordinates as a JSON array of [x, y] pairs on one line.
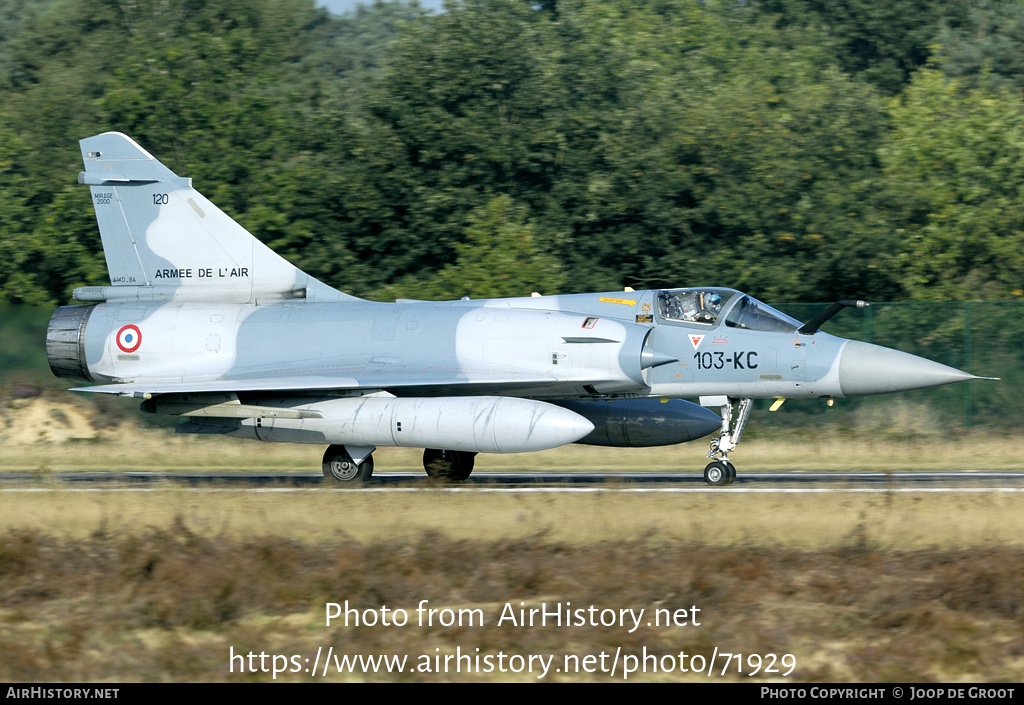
[[796, 149]]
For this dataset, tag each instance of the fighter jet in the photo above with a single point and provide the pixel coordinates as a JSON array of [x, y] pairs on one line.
[[204, 321]]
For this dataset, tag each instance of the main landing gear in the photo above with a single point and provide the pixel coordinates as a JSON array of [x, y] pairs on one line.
[[348, 465], [455, 465], [735, 413], [353, 465]]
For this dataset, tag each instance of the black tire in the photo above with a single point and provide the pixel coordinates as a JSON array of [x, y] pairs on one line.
[[717, 474], [451, 465], [339, 467], [732, 473]]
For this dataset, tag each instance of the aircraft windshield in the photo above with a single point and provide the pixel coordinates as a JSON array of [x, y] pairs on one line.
[[751, 314]]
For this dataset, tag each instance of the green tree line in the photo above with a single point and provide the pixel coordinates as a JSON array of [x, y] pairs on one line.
[[796, 149]]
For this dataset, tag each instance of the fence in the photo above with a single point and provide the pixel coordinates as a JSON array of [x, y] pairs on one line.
[[982, 337]]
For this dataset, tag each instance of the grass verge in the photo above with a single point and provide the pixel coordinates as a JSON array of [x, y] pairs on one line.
[[166, 585]]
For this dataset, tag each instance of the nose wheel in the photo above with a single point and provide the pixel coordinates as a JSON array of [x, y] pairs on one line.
[[719, 473]]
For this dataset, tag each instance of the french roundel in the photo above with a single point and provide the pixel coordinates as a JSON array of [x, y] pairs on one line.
[[129, 338]]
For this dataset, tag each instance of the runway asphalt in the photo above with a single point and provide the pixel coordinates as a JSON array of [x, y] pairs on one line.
[[1011, 481]]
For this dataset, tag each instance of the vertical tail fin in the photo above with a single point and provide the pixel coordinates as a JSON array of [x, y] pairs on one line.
[[158, 232]]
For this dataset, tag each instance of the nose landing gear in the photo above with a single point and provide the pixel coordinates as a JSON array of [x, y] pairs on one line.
[[735, 413], [720, 472]]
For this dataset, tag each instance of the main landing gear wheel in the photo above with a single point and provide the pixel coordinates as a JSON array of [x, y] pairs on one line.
[[448, 464], [339, 466], [719, 473]]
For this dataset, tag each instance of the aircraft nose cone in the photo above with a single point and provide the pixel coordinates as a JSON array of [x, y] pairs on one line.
[[871, 369]]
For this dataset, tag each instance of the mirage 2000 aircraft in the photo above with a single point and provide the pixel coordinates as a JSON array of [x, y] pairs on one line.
[[203, 320]]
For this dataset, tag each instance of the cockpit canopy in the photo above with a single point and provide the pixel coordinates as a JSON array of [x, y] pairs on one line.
[[691, 305], [709, 306]]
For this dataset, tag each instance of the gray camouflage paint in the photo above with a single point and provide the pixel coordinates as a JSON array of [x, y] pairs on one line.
[[219, 312]]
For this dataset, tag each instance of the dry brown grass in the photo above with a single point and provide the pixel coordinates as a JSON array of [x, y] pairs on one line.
[[897, 521], [168, 604], [155, 586], [161, 450]]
